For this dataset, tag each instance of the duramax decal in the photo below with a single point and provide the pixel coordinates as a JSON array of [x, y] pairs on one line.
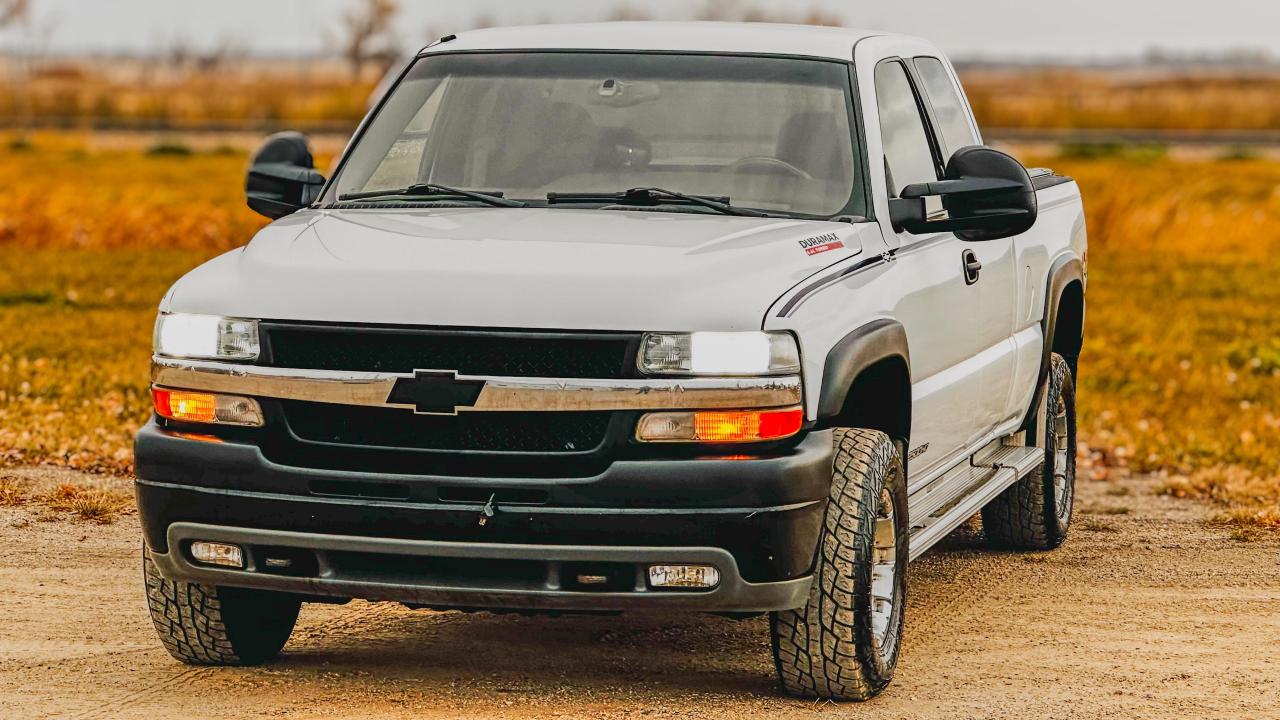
[[918, 452], [821, 243]]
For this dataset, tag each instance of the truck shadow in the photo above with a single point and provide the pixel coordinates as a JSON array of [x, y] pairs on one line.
[[540, 656]]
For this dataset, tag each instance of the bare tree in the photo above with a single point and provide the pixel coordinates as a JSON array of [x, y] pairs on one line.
[[740, 11], [369, 33], [625, 11], [817, 16], [29, 55], [227, 51], [720, 10], [13, 12]]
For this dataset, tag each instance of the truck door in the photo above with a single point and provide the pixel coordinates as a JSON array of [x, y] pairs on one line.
[[942, 311], [995, 278]]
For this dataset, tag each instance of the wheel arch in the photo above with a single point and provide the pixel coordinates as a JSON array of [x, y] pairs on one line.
[[866, 381], [1063, 322]]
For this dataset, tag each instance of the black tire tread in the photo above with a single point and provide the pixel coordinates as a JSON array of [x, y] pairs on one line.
[[192, 621], [1024, 516], [823, 650]]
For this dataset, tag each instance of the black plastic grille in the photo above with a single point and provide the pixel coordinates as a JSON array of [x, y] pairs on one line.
[[510, 354], [515, 432]]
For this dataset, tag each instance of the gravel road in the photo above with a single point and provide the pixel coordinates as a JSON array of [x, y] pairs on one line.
[[1149, 611]]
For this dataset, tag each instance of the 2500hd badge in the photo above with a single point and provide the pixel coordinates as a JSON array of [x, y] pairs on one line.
[[562, 355]]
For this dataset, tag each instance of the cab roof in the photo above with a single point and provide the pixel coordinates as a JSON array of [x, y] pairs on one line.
[[714, 37]]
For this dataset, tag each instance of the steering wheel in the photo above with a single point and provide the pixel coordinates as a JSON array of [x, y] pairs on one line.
[[768, 163]]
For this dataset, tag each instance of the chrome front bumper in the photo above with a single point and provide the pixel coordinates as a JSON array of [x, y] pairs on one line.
[[497, 394]]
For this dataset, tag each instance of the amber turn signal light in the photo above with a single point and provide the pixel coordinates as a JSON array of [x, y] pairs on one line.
[[207, 408], [714, 427]]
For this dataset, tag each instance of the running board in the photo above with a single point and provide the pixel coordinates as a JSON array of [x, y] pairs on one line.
[[954, 498]]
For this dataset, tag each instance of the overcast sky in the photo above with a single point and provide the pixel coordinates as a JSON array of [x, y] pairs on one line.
[[993, 28]]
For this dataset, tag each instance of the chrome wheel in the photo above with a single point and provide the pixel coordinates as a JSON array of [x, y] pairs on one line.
[[884, 578]]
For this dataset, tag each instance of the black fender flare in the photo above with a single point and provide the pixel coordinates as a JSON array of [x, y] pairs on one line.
[[876, 341], [1064, 271]]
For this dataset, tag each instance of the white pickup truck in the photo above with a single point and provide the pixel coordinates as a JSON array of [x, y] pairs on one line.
[[709, 317]]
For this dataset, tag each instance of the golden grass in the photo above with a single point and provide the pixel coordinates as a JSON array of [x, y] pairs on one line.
[[58, 194], [257, 93], [248, 93], [89, 242], [1070, 98], [1181, 372], [13, 492], [95, 504]]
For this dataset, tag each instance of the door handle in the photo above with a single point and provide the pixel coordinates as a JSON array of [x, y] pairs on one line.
[[972, 266]]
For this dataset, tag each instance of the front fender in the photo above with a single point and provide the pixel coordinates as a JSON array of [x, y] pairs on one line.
[[876, 341]]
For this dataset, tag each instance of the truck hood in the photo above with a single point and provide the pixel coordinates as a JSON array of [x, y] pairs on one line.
[[517, 268]]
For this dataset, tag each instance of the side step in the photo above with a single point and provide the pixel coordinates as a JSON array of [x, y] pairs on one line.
[[954, 498]]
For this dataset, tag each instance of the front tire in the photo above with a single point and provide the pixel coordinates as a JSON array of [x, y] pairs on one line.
[[208, 625], [1035, 513], [843, 645]]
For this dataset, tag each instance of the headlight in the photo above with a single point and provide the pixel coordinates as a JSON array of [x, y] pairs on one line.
[[714, 353], [206, 337]]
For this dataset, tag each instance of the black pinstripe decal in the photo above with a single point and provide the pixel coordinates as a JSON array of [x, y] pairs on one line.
[[814, 286]]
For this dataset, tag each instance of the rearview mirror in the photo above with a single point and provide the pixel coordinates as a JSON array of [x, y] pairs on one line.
[[987, 194], [282, 177]]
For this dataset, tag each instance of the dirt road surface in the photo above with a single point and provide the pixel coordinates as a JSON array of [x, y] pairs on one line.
[[1148, 612]]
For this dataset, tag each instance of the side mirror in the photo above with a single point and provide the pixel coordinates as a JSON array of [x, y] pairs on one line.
[[988, 195], [282, 176]]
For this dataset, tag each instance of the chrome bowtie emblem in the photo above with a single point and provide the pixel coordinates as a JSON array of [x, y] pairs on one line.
[[435, 392]]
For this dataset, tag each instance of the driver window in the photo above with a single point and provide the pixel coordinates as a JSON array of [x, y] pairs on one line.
[[907, 153]]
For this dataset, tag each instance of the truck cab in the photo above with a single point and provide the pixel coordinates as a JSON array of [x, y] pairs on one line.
[[629, 316]]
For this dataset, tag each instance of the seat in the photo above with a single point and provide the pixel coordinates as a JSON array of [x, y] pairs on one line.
[[552, 140], [818, 143]]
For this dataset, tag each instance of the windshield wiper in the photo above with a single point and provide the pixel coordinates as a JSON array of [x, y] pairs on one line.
[[655, 196], [424, 189]]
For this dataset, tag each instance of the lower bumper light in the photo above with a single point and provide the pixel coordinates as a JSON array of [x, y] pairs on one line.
[[216, 553], [713, 427], [702, 577], [206, 408]]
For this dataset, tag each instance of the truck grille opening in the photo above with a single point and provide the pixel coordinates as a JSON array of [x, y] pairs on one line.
[[514, 432], [474, 352]]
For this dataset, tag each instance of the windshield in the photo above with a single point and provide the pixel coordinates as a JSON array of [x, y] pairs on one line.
[[767, 133]]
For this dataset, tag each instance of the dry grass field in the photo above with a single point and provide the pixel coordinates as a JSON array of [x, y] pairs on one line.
[[71, 92], [266, 93], [1066, 98], [1181, 374]]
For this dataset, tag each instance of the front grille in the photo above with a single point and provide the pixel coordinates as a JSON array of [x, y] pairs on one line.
[[503, 432], [500, 353]]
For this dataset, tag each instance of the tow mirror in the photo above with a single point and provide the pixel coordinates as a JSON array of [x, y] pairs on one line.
[[282, 177], [987, 194]]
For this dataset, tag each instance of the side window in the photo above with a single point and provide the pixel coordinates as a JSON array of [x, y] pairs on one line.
[[948, 106], [907, 153]]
